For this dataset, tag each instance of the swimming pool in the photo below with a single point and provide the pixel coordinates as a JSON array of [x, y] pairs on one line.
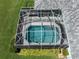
[[42, 34]]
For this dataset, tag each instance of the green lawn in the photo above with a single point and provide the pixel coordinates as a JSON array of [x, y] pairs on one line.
[[9, 14]]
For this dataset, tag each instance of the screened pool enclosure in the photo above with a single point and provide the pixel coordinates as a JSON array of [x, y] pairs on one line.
[[41, 29]]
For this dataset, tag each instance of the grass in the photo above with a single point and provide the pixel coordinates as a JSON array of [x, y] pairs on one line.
[[30, 3], [40, 52], [65, 52], [53, 53]]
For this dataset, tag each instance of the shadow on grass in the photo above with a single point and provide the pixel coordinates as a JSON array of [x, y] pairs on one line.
[[13, 49]]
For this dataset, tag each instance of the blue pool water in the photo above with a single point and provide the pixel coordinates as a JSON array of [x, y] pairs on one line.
[[44, 34]]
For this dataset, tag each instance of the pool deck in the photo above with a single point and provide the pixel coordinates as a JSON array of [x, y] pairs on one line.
[[70, 10]]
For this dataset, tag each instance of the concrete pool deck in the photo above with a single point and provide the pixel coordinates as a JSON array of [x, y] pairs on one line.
[[70, 9]]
